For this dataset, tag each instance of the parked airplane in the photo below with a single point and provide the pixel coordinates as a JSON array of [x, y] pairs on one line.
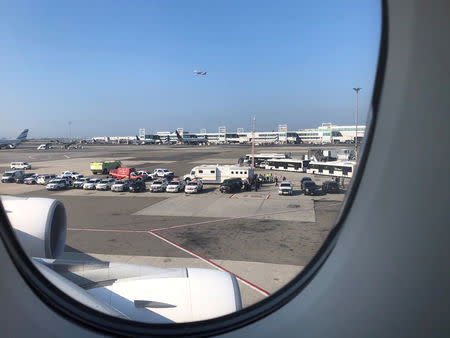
[[144, 141], [14, 143], [189, 140], [199, 72]]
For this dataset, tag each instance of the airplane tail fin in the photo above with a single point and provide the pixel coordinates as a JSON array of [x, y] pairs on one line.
[[23, 135], [178, 135]]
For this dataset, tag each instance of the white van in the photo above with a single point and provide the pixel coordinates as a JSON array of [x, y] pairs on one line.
[[20, 165], [44, 178], [10, 176]]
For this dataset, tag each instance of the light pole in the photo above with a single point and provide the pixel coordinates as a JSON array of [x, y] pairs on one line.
[[356, 123], [253, 141]]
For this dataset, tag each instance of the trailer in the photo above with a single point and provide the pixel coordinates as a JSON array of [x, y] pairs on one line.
[[216, 174]]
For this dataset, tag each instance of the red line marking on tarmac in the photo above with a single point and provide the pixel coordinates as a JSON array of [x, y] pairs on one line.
[[210, 262], [232, 196], [268, 196]]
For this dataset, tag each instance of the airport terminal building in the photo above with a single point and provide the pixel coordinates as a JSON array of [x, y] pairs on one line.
[[325, 134]]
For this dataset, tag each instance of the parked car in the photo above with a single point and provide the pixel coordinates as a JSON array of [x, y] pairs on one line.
[[73, 174], [330, 187], [286, 188], [67, 177], [159, 185], [11, 176], [175, 186], [137, 186], [138, 175], [91, 183], [162, 172], [231, 185], [31, 179], [123, 185], [193, 186], [45, 178], [305, 179], [21, 179], [57, 184], [20, 165], [105, 184], [145, 173], [310, 188], [79, 182]]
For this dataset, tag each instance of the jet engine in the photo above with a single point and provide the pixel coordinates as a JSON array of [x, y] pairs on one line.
[[39, 223]]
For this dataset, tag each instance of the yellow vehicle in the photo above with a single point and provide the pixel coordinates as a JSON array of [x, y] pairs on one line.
[[104, 167]]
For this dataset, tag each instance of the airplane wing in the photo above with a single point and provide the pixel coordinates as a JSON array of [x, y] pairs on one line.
[[142, 293]]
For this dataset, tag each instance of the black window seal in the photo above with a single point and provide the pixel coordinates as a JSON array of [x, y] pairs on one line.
[[100, 323]]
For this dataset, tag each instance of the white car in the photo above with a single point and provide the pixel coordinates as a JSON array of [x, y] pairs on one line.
[[57, 184], [193, 187], [72, 174], [175, 186], [121, 186], [161, 172], [105, 184], [20, 165], [286, 188], [45, 178], [91, 183], [159, 185], [79, 182]]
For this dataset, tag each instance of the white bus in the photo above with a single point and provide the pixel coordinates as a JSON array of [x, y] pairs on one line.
[[263, 157], [287, 164], [332, 168], [216, 174]]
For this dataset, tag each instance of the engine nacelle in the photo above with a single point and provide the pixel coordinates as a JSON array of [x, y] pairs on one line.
[[40, 224]]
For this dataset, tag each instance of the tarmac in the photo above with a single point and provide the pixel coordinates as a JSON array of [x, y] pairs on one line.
[[261, 237]]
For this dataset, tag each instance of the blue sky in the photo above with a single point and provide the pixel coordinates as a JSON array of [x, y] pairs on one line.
[[112, 67]]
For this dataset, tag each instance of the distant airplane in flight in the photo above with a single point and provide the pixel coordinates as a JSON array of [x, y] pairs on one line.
[[199, 72]]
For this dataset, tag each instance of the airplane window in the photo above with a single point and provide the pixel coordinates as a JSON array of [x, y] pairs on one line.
[[119, 101]]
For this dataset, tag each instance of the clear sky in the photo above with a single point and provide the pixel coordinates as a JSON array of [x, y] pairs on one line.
[[112, 67]]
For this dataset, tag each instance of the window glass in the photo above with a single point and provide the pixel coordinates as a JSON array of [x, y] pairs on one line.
[[106, 90]]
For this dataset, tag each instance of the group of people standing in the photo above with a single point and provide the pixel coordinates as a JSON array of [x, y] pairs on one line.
[[259, 179]]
